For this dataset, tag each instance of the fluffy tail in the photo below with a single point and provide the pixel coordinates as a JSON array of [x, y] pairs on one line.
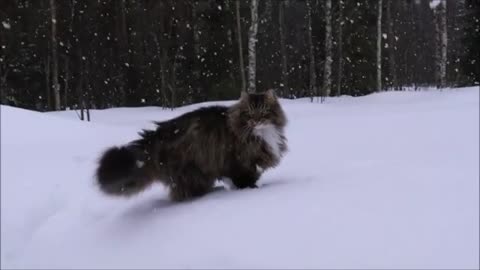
[[122, 171]]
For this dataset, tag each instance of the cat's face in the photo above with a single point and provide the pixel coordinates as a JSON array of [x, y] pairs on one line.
[[260, 110]]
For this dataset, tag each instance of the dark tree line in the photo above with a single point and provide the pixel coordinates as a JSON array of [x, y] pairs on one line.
[[58, 54]]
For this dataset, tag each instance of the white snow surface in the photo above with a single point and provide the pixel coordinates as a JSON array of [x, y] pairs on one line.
[[389, 180]]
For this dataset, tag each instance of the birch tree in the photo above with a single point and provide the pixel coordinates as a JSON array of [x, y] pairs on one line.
[[196, 50], [48, 91], [327, 80], [443, 42], [391, 46], [283, 45], [56, 84], [312, 85], [340, 22], [379, 46], [252, 40], [170, 53], [240, 47], [440, 16], [123, 47]]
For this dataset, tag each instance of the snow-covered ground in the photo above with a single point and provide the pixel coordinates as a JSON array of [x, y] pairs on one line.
[[389, 180]]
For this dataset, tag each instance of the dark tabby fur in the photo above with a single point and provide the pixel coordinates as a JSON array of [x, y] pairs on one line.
[[190, 152]]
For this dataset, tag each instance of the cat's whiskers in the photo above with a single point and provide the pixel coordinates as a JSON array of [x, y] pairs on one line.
[[244, 132]]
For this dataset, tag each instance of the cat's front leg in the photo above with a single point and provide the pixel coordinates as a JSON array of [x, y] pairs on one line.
[[245, 178]]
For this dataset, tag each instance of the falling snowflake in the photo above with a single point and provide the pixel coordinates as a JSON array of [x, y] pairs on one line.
[[6, 25]]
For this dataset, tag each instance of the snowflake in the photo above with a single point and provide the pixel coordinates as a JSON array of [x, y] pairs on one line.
[[6, 25]]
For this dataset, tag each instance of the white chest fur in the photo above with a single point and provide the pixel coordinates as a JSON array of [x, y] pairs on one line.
[[271, 136]]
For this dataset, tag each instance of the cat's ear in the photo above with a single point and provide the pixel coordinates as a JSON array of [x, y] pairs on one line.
[[244, 96], [270, 95]]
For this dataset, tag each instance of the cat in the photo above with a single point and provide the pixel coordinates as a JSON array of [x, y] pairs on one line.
[[189, 153]]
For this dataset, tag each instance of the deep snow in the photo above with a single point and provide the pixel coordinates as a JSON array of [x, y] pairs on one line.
[[389, 180]]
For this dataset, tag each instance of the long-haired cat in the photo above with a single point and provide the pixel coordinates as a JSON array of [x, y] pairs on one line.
[[189, 152]]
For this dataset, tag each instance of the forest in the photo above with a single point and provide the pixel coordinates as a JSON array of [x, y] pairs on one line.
[[77, 54]]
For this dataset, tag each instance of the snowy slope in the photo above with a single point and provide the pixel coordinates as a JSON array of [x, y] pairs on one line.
[[389, 180]]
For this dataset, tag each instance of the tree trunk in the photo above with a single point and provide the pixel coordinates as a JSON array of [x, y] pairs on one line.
[[327, 80], [268, 10], [47, 82], [163, 88], [313, 78], [443, 40], [252, 40], [391, 47], [379, 46], [56, 85], [173, 82], [88, 110], [3, 83], [80, 96], [283, 46], [197, 53], [437, 49], [162, 58], [340, 48], [87, 91], [66, 81], [124, 52], [240, 47]]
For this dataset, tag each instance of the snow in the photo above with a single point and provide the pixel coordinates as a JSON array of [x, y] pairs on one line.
[[434, 3], [389, 180]]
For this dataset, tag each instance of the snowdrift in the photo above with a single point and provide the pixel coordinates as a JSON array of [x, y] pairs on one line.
[[389, 180]]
